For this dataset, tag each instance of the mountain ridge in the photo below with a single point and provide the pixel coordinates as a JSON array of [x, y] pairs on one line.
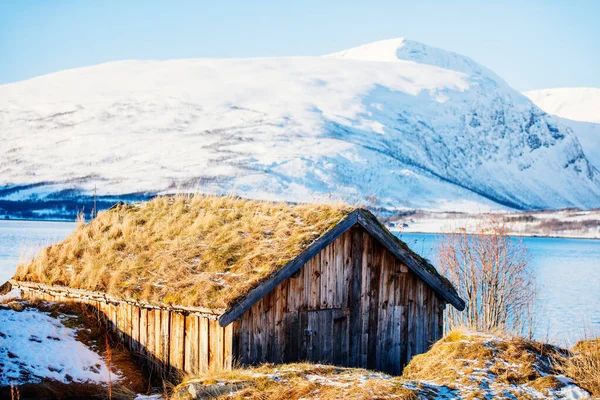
[[406, 133], [577, 108]]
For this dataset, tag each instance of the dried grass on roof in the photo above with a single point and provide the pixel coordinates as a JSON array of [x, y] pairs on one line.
[[196, 250]]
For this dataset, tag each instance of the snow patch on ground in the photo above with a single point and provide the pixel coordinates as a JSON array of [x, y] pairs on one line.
[[34, 346], [13, 294]]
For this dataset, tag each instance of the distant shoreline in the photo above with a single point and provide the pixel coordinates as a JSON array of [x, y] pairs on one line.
[[37, 220], [396, 231], [564, 224]]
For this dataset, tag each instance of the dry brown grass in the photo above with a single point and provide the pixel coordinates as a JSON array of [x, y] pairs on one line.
[[296, 381], [584, 365], [188, 250], [545, 383], [481, 363]]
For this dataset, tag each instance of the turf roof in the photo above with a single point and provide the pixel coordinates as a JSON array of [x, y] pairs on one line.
[[206, 251]]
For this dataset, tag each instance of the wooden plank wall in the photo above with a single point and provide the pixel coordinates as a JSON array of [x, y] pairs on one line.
[[353, 304], [170, 340]]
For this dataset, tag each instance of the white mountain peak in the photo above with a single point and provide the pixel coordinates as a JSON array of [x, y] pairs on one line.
[[415, 126]]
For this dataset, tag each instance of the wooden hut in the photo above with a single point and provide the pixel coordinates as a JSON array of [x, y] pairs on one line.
[[336, 287]]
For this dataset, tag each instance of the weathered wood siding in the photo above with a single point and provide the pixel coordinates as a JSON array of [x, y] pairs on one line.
[[170, 340], [353, 304]]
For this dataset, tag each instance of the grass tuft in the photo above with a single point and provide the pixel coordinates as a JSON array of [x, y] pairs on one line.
[[584, 365]]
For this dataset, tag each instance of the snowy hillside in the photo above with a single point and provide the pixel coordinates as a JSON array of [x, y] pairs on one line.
[[578, 104], [409, 125], [579, 109]]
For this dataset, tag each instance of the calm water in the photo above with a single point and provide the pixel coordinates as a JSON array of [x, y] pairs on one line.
[[568, 276], [22, 239], [567, 270]]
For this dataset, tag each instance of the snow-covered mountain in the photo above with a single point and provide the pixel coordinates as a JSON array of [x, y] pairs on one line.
[[577, 104], [579, 109], [407, 124]]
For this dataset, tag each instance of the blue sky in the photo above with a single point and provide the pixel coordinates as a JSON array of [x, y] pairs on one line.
[[531, 44]]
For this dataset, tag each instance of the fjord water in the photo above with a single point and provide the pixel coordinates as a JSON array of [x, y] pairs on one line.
[[567, 271], [568, 277], [20, 240]]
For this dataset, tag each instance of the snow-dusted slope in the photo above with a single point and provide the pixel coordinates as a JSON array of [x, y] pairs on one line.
[[578, 104], [396, 120], [579, 109]]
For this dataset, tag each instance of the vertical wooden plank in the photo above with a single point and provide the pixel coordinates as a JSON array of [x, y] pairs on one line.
[[312, 344], [219, 346], [410, 343], [236, 343], [158, 343], [213, 345], [315, 282], [191, 344], [331, 276], [355, 297], [301, 299], [367, 261], [337, 272], [401, 301], [143, 340], [165, 322], [381, 354], [135, 328], [114, 316], [176, 344], [121, 321], [419, 319], [265, 323], [128, 309], [294, 337], [307, 272], [203, 344], [391, 283], [396, 357], [267, 328], [279, 308], [442, 307], [323, 278], [244, 350], [338, 332], [303, 336], [375, 287], [329, 339], [227, 346], [151, 333], [347, 261]]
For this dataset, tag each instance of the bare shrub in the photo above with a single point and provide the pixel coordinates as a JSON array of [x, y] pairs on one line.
[[493, 276]]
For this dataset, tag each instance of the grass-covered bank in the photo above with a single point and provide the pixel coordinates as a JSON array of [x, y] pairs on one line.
[[61, 351], [463, 365]]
